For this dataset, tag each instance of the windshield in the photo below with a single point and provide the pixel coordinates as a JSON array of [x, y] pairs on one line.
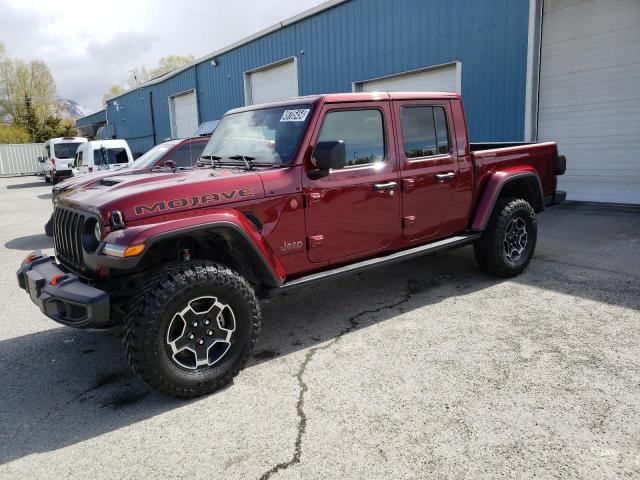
[[150, 158], [65, 150], [268, 135]]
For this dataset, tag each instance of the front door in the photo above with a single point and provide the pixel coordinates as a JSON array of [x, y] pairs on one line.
[[356, 210], [429, 167]]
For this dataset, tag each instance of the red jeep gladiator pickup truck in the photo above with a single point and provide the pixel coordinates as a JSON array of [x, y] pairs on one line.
[[292, 193]]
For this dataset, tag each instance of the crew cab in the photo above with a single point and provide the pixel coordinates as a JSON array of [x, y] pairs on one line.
[[287, 194], [58, 158]]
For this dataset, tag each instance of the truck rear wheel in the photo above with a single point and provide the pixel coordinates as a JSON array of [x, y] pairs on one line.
[[509, 240], [193, 328]]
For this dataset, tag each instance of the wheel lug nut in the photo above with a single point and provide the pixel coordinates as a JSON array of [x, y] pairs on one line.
[[210, 332], [206, 322], [200, 342], [195, 324], [192, 336]]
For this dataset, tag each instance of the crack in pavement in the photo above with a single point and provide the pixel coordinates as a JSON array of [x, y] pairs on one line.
[[413, 287]]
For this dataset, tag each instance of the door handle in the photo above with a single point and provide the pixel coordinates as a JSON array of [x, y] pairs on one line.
[[445, 177], [384, 187]]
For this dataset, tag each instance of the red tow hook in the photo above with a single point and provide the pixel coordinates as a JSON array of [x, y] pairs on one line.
[[31, 258], [56, 279]]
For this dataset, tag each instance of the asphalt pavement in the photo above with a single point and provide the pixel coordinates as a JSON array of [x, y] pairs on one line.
[[425, 369]]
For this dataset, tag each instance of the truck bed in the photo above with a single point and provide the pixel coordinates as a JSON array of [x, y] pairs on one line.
[[488, 157]]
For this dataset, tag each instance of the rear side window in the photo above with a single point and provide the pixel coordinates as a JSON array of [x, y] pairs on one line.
[[362, 132], [110, 156], [188, 154], [424, 131]]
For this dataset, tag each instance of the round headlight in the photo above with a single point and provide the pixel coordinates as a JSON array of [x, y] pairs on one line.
[[97, 231], [91, 234]]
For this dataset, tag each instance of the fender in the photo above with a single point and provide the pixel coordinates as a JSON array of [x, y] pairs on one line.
[[495, 185], [230, 221]]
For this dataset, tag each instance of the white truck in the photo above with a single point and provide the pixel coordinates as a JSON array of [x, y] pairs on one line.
[[58, 159], [99, 155]]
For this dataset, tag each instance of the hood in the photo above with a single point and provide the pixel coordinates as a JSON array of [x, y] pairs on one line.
[[149, 194], [91, 178]]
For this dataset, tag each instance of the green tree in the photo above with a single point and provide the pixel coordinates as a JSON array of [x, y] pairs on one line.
[[13, 134], [170, 63], [114, 91], [28, 97]]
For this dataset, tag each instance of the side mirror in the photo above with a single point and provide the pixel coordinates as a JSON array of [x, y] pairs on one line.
[[40, 159], [169, 164], [328, 156]]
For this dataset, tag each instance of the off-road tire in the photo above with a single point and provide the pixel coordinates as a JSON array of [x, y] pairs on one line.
[[46, 178], [490, 250], [152, 310], [48, 227]]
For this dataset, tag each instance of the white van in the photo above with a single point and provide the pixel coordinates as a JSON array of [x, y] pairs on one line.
[[59, 155], [99, 155]]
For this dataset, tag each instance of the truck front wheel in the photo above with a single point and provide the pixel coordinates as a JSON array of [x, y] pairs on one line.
[[192, 329], [509, 240]]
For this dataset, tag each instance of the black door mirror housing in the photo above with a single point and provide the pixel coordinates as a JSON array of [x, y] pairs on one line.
[[41, 159], [328, 156]]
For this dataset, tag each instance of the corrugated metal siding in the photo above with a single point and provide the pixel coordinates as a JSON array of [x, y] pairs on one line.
[[360, 40], [20, 159], [97, 117]]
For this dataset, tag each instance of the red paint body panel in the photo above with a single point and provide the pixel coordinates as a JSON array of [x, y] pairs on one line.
[[313, 224], [142, 233]]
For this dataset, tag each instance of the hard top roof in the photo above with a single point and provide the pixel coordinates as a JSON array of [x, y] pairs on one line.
[[351, 97]]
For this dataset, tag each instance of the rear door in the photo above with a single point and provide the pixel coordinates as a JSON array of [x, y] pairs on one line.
[[118, 157], [428, 164], [355, 210]]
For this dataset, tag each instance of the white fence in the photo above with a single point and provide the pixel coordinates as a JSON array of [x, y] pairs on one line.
[[20, 159]]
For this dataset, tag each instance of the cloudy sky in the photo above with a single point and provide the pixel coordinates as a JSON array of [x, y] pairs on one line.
[[91, 45]]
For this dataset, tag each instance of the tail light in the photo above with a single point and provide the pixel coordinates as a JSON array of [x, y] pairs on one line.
[[560, 165], [53, 163]]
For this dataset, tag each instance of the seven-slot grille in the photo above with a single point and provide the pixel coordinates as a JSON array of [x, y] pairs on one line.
[[67, 236]]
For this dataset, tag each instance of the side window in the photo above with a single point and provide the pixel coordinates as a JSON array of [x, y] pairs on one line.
[[441, 130], [185, 155], [78, 161], [118, 155], [98, 158], [424, 131], [362, 132]]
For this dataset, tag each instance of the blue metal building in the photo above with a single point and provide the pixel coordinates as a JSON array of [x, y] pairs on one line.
[[344, 46]]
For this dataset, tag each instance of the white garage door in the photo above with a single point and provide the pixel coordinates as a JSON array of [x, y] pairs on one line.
[[185, 115], [590, 96], [440, 79], [273, 83]]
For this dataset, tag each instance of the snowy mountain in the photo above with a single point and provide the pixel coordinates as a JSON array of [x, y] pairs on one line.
[[72, 109]]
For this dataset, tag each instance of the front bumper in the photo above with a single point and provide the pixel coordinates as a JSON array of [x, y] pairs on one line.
[[61, 174], [68, 301]]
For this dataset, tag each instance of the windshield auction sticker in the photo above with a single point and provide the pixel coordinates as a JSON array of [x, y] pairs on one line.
[[299, 115]]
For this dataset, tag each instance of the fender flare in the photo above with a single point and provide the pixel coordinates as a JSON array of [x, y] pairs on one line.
[[228, 221], [494, 187]]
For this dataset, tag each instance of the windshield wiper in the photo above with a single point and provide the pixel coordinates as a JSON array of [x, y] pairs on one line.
[[213, 158], [248, 161]]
